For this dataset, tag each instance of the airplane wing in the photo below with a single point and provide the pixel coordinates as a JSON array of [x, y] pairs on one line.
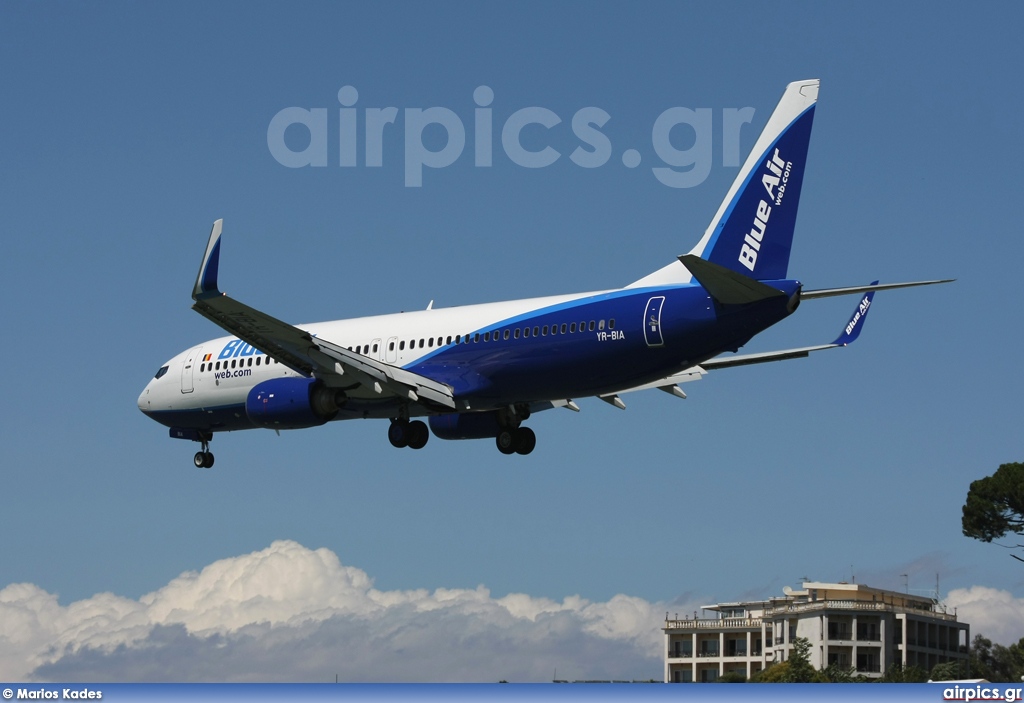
[[298, 349], [849, 334]]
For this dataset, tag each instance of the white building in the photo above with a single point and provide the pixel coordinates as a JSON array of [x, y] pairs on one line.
[[848, 624]]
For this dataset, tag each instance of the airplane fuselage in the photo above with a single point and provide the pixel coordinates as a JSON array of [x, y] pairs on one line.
[[491, 355]]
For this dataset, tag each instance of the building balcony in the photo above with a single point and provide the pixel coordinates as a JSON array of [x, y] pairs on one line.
[[855, 605], [714, 624]]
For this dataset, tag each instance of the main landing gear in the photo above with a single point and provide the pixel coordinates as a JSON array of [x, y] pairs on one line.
[[403, 433], [520, 440]]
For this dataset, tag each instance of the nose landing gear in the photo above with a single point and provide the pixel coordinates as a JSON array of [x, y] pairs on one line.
[[204, 459]]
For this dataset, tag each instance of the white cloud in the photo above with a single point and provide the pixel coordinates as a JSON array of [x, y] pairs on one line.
[[998, 615], [292, 613]]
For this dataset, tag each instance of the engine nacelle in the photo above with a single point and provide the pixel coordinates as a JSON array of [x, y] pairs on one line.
[[292, 403], [466, 425]]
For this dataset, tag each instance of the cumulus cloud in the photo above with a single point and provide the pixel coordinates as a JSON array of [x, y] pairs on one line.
[[288, 613], [998, 615]]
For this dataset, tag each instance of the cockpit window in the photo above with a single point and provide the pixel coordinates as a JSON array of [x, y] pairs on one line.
[[161, 372]]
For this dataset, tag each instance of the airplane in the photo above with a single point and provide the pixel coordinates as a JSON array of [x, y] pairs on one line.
[[481, 371]]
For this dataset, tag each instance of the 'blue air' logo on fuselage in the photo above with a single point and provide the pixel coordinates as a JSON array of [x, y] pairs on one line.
[[237, 347], [774, 181]]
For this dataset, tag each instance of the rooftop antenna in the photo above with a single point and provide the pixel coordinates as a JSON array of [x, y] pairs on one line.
[[906, 583], [853, 578]]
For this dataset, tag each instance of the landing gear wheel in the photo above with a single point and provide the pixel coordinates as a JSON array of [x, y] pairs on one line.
[[506, 442], [418, 434], [398, 434], [525, 440], [203, 460]]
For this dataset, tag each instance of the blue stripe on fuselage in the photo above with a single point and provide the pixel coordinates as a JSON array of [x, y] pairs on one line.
[[582, 364]]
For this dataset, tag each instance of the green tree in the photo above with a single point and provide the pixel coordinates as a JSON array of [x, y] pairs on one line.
[[833, 673], [995, 505], [732, 677], [995, 662], [800, 669], [949, 671], [775, 673], [897, 673]]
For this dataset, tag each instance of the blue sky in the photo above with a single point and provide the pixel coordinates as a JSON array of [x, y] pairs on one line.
[[127, 129]]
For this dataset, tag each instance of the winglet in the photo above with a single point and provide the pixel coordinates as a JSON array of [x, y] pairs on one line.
[[856, 323], [206, 281]]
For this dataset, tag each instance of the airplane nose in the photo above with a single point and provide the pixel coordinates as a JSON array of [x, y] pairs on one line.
[[144, 403]]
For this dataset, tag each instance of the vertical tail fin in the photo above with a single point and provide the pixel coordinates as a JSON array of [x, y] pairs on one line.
[[752, 232]]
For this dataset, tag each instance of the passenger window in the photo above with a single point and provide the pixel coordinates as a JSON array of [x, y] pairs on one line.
[[401, 345], [374, 348], [234, 363], [611, 324], [449, 339], [516, 334], [536, 331], [430, 342], [600, 325], [487, 336], [572, 328], [258, 360], [591, 325], [250, 362], [391, 346], [458, 339], [476, 338], [563, 328], [504, 334], [544, 331], [526, 332]]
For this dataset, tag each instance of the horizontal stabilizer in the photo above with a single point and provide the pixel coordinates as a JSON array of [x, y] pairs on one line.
[[725, 285], [852, 290], [850, 333]]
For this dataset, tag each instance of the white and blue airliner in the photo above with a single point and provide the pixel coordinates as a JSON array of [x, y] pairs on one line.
[[481, 371]]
